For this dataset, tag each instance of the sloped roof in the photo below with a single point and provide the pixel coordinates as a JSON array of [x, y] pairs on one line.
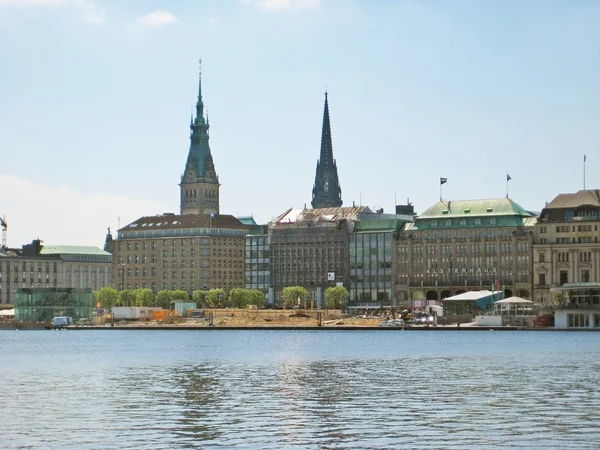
[[72, 250], [247, 220], [368, 225], [471, 296], [573, 200], [174, 221], [471, 208], [513, 300], [322, 214]]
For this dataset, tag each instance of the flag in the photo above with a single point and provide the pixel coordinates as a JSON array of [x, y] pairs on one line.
[[584, 158], [212, 215], [443, 180], [508, 177]]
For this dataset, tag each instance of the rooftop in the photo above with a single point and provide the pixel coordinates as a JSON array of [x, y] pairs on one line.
[[589, 197], [72, 250], [471, 208], [174, 221]]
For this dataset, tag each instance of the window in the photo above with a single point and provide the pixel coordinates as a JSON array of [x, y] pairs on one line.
[[564, 277], [542, 279], [585, 276], [542, 257]]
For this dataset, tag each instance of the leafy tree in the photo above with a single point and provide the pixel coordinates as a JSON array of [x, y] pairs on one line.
[[215, 298], [144, 297], [178, 294], [294, 295], [256, 297], [199, 297], [126, 298], [163, 299], [108, 297], [239, 298], [336, 297]]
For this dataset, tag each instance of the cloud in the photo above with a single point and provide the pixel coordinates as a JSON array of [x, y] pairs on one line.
[[283, 5], [87, 10], [156, 19], [61, 215]]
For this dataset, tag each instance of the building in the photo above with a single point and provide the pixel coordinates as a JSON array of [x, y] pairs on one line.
[[42, 304], [188, 252], [465, 245], [199, 186], [566, 247], [53, 266], [576, 305], [258, 257], [309, 248], [372, 262], [326, 191]]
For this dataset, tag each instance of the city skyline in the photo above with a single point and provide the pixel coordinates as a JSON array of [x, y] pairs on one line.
[[99, 94]]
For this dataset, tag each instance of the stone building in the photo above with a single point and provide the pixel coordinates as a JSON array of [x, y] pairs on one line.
[[566, 248], [326, 189], [199, 186], [309, 248], [458, 246], [53, 266], [188, 252]]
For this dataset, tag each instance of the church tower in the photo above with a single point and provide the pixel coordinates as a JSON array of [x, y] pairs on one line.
[[326, 190], [199, 187]]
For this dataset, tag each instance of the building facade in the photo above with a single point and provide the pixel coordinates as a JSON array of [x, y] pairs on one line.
[[258, 256], [372, 261], [60, 267], [309, 248], [459, 246], [326, 189], [566, 248], [188, 252], [199, 186]]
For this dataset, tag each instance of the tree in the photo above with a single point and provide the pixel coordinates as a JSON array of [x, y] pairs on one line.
[[178, 294], [163, 299], [294, 295], [256, 297], [215, 298], [199, 297], [108, 297], [144, 297], [239, 297], [336, 297], [126, 298]]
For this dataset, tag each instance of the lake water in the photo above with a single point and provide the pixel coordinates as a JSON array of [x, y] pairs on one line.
[[264, 389]]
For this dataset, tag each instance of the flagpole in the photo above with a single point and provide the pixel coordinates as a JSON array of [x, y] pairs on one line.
[[584, 158]]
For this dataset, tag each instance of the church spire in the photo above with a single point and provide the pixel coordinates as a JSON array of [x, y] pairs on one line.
[[326, 190]]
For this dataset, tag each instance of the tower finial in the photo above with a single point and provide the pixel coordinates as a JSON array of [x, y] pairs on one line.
[[200, 66]]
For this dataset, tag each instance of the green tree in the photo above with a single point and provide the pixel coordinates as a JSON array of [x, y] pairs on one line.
[[178, 294], [256, 297], [336, 297], [144, 297], [215, 298], [239, 298], [126, 298], [108, 297], [163, 299], [199, 297], [294, 295]]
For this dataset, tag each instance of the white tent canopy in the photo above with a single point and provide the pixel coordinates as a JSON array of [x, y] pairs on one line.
[[7, 312], [513, 300]]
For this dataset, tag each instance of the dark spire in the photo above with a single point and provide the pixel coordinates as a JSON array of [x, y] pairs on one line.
[[326, 190]]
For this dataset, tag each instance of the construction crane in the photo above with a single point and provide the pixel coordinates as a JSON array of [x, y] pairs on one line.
[[4, 227]]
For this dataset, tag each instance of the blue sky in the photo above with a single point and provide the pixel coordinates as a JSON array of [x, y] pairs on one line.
[[95, 101]]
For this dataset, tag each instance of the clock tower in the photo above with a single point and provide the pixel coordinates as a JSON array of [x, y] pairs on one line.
[[199, 187]]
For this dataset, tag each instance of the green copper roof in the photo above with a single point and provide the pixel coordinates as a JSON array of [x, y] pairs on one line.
[[471, 208], [72, 250], [247, 220], [364, 226]]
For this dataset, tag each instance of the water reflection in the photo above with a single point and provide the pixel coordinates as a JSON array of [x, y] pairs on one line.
[[302, 390]]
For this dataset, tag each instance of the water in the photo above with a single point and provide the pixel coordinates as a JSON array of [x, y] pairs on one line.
[[299, 389]]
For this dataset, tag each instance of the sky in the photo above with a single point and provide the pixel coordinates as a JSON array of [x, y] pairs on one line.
[[96, 96]]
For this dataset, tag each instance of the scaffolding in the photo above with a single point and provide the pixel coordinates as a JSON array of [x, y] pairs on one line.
[[42, 304]]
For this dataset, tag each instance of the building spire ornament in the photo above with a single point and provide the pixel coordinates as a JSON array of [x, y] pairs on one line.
[[327, 192]]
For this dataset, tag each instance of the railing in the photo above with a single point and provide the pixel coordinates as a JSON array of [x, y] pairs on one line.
[[576, 306]]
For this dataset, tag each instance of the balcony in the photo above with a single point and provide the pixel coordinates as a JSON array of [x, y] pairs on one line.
[[569, 305]]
